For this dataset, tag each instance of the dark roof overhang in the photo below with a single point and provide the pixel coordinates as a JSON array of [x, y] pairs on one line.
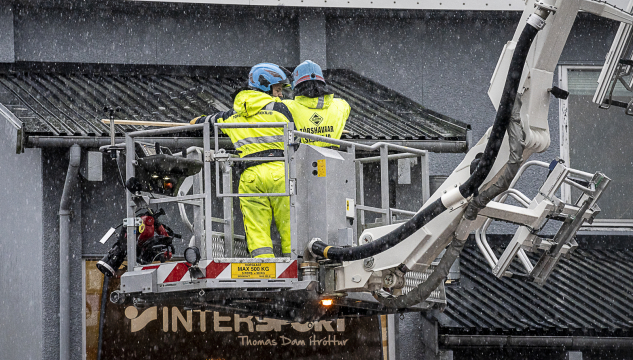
[[588, 296], [516, 341], [62, 104]]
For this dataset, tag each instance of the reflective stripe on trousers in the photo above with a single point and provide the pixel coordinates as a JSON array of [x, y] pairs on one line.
[[262, 251], [266, 251]]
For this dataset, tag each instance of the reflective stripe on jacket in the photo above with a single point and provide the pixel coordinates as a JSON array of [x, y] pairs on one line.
[[252, 106], [324, 116]]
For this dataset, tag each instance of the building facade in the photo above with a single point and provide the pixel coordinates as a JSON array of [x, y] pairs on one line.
[[439, 58]]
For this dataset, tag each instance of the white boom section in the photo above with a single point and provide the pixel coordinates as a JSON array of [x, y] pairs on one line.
[[420, 249], [541, 62]]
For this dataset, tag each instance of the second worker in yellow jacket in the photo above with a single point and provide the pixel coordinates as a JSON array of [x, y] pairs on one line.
[[314, 108]]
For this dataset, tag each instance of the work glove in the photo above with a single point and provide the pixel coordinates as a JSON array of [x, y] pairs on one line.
[[198, 120]]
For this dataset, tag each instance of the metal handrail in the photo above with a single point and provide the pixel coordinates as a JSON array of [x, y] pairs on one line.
[[285, 158], [375, 146], [390, 157], [480, 234], [169, 130]]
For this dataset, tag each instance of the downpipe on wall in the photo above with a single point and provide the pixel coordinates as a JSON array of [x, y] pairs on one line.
[[72, 178]]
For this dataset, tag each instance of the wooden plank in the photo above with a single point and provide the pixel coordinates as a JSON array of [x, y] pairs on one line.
[[143, 123], [155, 123]]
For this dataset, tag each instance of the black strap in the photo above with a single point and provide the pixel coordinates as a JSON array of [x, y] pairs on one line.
[[214, 118], [223, 115], [243, 165], [283, 109], [266, 153]]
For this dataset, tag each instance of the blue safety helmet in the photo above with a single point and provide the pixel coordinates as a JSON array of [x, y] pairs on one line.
[[263, 76], [307, 70]]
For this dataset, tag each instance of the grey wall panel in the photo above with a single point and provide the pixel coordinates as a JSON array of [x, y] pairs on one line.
[[21, 219], [590, 40], [96, 36], [53, 182], [312, 37], [444, 61], [387, 50], [411, 337], [103, 205], [227, 38], [7, 42], [460, 56], [141, 36]]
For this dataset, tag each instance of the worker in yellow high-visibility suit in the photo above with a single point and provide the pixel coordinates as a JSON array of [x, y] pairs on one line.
[[260, 103], [314, 108]]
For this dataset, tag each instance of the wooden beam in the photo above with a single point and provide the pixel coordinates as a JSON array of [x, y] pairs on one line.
[[156, 123]]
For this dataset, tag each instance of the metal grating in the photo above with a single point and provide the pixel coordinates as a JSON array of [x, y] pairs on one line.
[[414, 278], [71, 102], [590, 294], [241, 248], [217, 242]]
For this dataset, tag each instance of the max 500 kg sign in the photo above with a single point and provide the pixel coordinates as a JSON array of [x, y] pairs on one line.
[[253, 270]]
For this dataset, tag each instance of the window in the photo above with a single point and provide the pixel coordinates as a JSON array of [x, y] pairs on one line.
[[594, 139]]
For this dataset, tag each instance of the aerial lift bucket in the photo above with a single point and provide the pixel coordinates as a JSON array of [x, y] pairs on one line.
[[217, 272]]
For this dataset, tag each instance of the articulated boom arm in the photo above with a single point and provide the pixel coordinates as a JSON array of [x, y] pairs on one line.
[[530, 113]]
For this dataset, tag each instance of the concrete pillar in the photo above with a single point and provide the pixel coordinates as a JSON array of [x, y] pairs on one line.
[[7, 38], [430, 338], [312, 41]]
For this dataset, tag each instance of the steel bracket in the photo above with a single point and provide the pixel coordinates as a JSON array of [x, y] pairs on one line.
[[132, 221], [220, 155], [291, 184], [208, 156]]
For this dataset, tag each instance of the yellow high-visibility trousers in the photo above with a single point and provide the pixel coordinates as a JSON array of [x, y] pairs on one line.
[[258, 211]]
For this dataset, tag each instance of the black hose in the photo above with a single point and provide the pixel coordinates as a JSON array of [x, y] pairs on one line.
[[423, 290], [516, 138], [504, 113], [391, 239], [469, 187]]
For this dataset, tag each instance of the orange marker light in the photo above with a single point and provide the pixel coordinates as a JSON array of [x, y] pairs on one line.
[[326, 302]]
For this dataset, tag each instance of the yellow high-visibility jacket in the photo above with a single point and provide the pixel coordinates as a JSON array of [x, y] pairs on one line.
[[324, 116], [252, 106]]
